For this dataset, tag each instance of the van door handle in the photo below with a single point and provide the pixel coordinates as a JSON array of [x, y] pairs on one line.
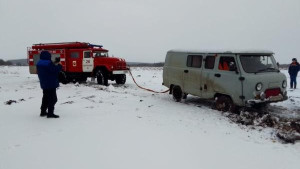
[[218, 75], [186, 71]]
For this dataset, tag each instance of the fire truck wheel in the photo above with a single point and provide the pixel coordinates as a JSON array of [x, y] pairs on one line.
[[121, 79], [101, 78], [62, 77]]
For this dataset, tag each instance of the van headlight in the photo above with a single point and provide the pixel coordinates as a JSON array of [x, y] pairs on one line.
[[284, 84], [258, 86]]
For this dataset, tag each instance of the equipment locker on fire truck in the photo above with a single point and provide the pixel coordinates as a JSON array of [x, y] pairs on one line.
[[81, 60]]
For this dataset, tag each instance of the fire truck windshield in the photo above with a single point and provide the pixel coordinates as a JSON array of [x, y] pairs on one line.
[[100, 54]]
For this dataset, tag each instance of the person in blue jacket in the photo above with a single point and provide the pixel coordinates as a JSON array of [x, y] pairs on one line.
[[293, 71], [48, 76]]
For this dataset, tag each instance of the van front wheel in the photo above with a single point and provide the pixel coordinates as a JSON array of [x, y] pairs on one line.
[[177, 93], [225, 104]]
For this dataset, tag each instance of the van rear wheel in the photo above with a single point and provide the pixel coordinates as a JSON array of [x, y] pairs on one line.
[[225, 104], [177, 93]]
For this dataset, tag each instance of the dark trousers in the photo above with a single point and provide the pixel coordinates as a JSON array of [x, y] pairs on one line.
[[49, 100], [293, 81]]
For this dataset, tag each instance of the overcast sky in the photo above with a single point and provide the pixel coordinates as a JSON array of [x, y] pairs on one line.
[[144, 30]]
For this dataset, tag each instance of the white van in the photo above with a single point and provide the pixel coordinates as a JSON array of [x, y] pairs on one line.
[[231, 78]]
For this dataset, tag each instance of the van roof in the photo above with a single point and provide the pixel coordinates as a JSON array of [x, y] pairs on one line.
[[222, 51]]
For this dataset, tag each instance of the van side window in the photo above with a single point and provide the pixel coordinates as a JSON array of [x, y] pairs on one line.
[[194, 61], [226, 62], [74, 55], [210, 62]]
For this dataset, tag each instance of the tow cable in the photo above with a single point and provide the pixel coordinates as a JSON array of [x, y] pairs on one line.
[[150, 90]]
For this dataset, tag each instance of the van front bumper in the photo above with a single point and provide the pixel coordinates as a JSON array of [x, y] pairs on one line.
[[271, 99]]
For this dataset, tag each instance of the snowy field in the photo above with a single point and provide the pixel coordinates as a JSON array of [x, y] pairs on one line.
[[123, 127]]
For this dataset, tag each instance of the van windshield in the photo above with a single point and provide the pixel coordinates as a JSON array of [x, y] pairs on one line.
[[258, 63], [100, 54]]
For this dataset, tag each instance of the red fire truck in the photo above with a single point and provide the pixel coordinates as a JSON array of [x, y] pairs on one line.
[[81, 60]]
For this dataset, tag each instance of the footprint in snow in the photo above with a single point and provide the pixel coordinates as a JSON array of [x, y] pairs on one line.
[[9, 102], [68, 102]]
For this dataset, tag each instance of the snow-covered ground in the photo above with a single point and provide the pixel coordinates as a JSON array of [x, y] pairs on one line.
[[126, 127]]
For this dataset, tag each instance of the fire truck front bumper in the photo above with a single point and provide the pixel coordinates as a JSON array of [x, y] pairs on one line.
[[119, 72]]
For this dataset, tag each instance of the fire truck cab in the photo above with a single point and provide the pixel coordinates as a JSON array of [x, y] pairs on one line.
[[81, 60]]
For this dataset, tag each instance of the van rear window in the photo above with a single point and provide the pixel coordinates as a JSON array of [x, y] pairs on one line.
[[210, 62], [194, 61]]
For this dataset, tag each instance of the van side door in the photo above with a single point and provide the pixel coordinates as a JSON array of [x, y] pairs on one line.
[[226, 79], [192, 75], [208, 77]]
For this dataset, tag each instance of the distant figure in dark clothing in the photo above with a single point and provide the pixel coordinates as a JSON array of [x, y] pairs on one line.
[[48, 75], [293, 71]]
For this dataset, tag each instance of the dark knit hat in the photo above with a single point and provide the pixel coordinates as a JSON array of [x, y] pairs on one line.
[[45, 55], [294, 59]]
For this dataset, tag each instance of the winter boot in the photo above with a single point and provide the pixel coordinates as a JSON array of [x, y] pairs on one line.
[[43, 113], [52, 116]]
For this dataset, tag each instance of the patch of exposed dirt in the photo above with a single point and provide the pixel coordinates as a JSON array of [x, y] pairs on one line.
[[287, 128], [285, 122]]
